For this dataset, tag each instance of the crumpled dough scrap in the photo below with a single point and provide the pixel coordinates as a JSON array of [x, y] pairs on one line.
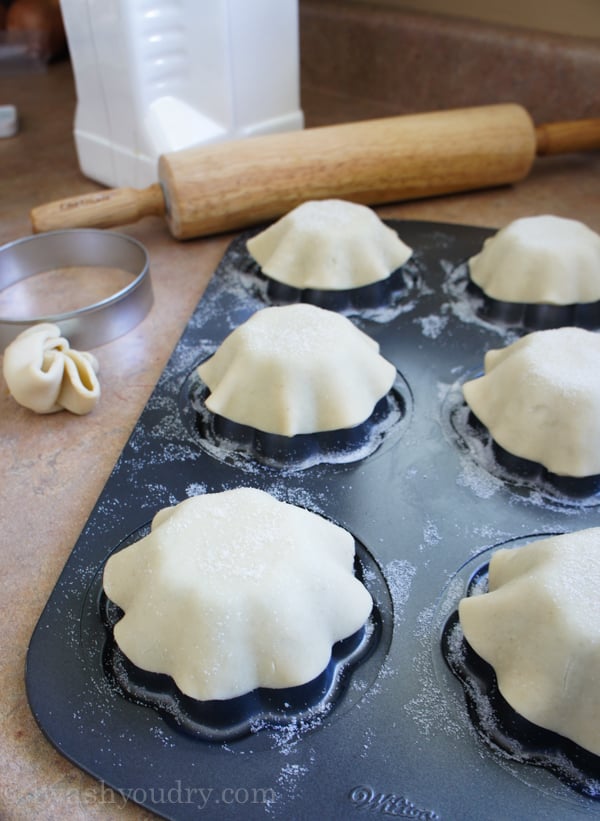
[[539, 628], [540, 260], [236, 590], [46, 375], [329, 245], [540, 399], [296, 369]]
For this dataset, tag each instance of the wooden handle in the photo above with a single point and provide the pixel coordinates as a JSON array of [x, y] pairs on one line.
[[102, 209], [227, 186], [564, 137]]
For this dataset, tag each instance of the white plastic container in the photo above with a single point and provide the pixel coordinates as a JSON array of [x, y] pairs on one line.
[[154, 76]]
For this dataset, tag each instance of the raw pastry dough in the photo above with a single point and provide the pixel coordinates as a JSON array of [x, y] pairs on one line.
[[45, 374], [539, 628], [540, 260], [236, 590], [329, 245], [296, 369], [540, 399]]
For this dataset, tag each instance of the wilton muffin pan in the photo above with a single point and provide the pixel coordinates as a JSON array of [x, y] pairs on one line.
[[387, 728]]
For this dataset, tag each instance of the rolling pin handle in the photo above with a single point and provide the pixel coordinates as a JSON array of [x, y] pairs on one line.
[[567, 137], [102, 209]]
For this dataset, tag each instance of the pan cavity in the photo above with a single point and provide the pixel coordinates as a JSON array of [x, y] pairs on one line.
[[538, 757], [537, 273], [531, 316], [394, 295], [527, 479], [333, 254], [255, 718], [531, 418], [471, 304], [294, 386], [245, 446]]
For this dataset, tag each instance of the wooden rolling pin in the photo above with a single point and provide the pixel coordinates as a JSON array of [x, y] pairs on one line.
[[225, 186]]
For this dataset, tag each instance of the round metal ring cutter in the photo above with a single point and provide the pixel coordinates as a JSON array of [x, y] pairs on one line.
[[93, 324]]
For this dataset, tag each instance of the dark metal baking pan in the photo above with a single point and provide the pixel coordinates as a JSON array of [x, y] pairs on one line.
[[424, 507]]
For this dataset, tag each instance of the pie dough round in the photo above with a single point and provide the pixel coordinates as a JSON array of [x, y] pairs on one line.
[[296, 369], [329, 245], [236, 590], [540, 399], [539, 628], [45, 374], [540, 260]]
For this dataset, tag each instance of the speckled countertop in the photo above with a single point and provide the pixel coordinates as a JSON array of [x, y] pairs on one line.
[[54, 467]]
